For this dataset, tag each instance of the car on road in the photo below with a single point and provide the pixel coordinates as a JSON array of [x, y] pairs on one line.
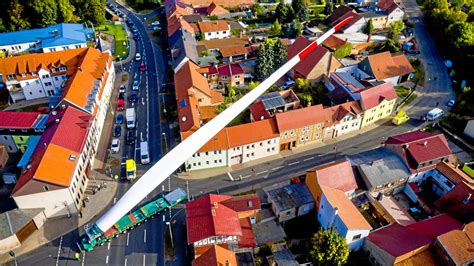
[[132, 98], [121, 95], [134, 30], [135, 85], [122, 89], [138, 57], [142, 67], [288, 84], [451, 103], [119, 119], [136, 37], [120, 105], [115, 146], [155, 23], [131, 137], [117, 131]]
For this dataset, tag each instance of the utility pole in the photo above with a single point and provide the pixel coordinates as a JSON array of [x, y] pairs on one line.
[[169, 190], [171, 232]]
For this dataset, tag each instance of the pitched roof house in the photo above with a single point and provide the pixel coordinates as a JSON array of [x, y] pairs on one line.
[[224, 3], [215, 29], [372, 97], [420, 150], [216, 10], [387, 67], [458, 202], [456, 247], [318, 63], [342, 12], [395, 243], [216, 256]]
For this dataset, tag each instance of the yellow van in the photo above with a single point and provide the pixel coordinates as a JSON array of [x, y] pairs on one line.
[[400, 118]]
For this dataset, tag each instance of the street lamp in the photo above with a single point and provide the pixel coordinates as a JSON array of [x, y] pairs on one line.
[[171, 232], [163, 134]]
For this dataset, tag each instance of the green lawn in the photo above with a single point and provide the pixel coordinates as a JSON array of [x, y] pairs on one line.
[[121, 41], [402, 91], [419, 76]]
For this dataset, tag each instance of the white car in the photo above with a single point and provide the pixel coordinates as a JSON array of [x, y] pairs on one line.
[[155, 23], [138, 57], [115, 147], [122, 88], [135, 85]]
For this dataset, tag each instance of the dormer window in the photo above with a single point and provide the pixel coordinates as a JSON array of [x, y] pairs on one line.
[[53, 70], [34, 73], [63, 68], [23, 75]]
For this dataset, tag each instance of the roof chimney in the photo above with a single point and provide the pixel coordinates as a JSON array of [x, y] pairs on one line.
[[57, 120]]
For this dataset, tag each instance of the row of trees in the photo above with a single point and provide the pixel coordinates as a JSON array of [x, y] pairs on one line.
[[271, 55], [144, 4], [25, 14], [297, 10]]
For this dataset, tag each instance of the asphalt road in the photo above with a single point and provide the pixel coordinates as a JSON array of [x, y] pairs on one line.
[[144, 245]]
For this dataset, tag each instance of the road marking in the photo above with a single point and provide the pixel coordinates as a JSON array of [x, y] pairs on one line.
[[144, 236], [115, 200], [125, 261], [246, 176], [59, 250], [143, 101], [128, 238], [107, 259], [293, 163], [262, 172], [143, 259], [108, 246], [230, 176], [323, 154], [83, 257], [307, 159], [278, 167]]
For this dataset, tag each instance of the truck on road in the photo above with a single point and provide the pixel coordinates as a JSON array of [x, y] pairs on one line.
[[130, 116]]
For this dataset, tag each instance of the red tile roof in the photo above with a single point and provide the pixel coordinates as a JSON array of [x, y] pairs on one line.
[[334, 42], [255, 132], [233, 50], [384, 65], [247, 240], [206, 217], [230, 70], [341, 13], [72, 130], [338, 175], [300, 117], [372, 97], [458, 202], [215, 10], [309, 62], [243, 203], [18, 120], [216, 256], [398, 240], [213, 26], [258, 111], [387, 5], [335, 114]]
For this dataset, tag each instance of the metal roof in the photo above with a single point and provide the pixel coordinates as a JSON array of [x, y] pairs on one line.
[[272, 100], [290, 196]]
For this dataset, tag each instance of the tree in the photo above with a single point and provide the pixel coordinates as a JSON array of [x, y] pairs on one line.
[[253, 84], [395, 30], [280, 54], [264, 64], [93, 10], [343, 51], [281, 12], [257, 9], [302, 84], [294, 29], [17, 16], [221, 107], [328, 248], [329, 7], [297, 5], [276, 27], [303, 15], [461, 34], [2, 27], [369, 29], [66, 11], [46, 12]]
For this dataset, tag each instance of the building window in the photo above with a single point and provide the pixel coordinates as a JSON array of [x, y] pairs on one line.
[[45, 188], [356, 237], [250, 204], [207, 153], [220, 160], [207, 162]]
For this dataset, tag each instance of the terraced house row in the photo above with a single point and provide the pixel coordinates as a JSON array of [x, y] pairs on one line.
[[58, 148]]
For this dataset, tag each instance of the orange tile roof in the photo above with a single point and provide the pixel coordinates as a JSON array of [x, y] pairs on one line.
[[454, 174], [337, 175], [213, 26], [208, 112], [215, 10], [300, 117], [333, 42], [233, 50], [459, 244], [219, 43], [188, 76], [216, 256], [334, 114], [305, 66], [216, 97], [254, 132], [348, 213], [56, 166], [384, 65], [224, 3]]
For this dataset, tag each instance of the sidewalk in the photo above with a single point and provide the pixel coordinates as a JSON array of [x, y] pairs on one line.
[[209, 173]]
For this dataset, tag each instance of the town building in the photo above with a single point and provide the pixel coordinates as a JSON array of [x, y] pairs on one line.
[[382, 170], [224, 75], [269, 104], [17, 127], [57, 171], [392, 10], [456, 247], [458, 202], [395, 243], [337, 211], [216, 256], [59, 37], [210, 221], [215, 29], [421, 152], [316, 64], [389, 68], [223, 3], [216, 10], [289, 200], [300, 126], [377, 102], [356, 24], [234, 53], [341, 119]]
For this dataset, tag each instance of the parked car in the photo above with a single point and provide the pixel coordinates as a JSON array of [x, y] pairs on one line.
[[135, 85], [142, 67], [120, 105], [132, 98], [122, 89], [121, 95], [155, 23], [136, 37], [131, 137], [451, 103], [288, 84], [115, 147], [134, 30], [119, 119], [117, 131]]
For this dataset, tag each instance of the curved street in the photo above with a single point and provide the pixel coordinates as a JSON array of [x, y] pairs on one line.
[[144, 245]]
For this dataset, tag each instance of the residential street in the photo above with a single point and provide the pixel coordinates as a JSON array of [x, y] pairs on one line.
[[145, 244]]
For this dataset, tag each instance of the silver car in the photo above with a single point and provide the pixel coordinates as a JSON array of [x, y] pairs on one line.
[[115, 147]]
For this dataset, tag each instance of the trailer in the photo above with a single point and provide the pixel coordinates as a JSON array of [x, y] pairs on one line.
[[94, 237]]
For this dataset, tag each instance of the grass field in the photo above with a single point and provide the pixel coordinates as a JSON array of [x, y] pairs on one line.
[[121, 41]]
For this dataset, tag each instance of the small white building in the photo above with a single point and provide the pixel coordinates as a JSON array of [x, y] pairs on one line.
[[338, 212], [341, 119], [216, 29]]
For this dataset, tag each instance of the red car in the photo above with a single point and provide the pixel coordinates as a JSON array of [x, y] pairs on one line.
[[142, 67], [120, 105]]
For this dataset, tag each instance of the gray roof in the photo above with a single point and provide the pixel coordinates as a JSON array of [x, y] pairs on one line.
[[12, 221], [290, 196], [185, 44], [267, 232], [284, 257], [379, 167]]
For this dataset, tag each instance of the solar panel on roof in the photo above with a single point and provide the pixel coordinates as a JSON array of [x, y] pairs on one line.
[[182, 104], [272, 100]]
